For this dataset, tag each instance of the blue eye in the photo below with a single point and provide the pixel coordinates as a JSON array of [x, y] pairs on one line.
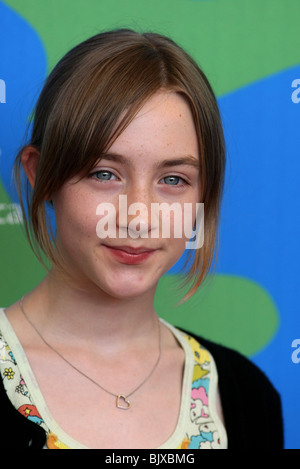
[[104, 175], [172, 180]]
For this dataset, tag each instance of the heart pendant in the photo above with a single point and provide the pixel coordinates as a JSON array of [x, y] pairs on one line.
[[122, 402]]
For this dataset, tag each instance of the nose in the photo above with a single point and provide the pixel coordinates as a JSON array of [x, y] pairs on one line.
[[134, 215]]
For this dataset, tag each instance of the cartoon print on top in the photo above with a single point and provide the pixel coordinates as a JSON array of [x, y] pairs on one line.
[[201, 425]]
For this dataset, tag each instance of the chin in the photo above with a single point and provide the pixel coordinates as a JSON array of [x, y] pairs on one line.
[[129, 288], [130, 291]]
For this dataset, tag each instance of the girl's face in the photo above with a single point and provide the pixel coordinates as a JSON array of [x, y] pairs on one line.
[[154, 161]]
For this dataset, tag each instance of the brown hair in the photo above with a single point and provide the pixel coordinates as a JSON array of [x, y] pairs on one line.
[[105, 77]]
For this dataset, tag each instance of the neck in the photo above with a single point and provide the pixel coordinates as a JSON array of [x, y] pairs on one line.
[[69, 313]]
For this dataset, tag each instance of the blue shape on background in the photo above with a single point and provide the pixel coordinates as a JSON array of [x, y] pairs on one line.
[[23, 68], [260, 228]]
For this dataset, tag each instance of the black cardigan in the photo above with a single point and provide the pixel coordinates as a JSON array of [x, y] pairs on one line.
[[251, 407]]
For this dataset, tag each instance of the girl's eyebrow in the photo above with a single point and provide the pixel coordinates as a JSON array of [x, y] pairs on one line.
[[182, 160]]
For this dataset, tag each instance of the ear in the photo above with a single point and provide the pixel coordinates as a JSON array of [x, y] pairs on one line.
[[30, 158]]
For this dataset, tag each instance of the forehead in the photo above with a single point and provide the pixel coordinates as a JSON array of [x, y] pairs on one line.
[[163, 126]]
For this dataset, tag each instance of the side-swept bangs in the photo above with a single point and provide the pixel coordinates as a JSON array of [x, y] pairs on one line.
[[91, 95]]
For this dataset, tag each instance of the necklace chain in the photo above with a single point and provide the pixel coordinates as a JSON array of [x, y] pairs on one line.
[[122, 401]]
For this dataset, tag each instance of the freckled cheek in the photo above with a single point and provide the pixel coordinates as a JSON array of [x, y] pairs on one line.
[[76, 224]]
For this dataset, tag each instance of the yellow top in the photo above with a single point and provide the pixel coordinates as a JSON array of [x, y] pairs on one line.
[[198, 425]]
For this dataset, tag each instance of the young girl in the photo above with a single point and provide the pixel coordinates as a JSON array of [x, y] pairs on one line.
[[85, 361]]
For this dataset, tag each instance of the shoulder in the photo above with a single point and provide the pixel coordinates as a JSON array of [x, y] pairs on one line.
[[230, 361], [251, 405], [16, 431], [231, 364]]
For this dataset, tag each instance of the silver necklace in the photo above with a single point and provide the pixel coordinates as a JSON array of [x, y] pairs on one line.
[[122, 401]]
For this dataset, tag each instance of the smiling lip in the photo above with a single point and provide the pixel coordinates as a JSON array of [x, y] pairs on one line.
[[130, 255]]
